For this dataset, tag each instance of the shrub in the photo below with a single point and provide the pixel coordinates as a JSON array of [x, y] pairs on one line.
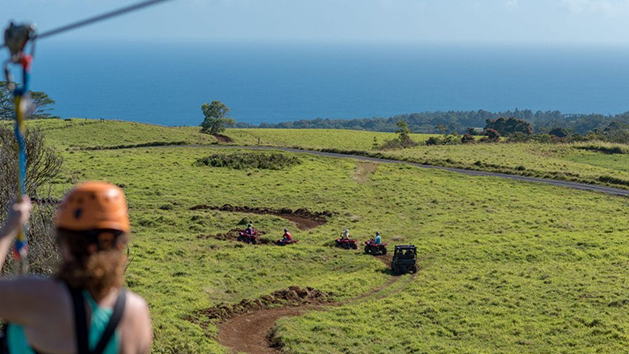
[[559, 133], [42, 168], [272, 161], [491, 136], [519, 138], [605, 150], [468, 139]]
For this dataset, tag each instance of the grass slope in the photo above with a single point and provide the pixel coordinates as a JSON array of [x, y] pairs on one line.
[[506, 267], [557, 161]]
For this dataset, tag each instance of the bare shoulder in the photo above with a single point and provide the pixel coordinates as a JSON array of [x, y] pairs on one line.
[[136, 302], [136, 330]]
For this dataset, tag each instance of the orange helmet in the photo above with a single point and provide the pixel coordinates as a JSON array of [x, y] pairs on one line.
[[92, 206]]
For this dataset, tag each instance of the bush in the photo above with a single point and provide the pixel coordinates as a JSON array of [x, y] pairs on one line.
[[519, 138], [448, 139], [402, 143], [559, 133], [604, 149], [468, 139], [272, 161], [42, 168], [491, 136]]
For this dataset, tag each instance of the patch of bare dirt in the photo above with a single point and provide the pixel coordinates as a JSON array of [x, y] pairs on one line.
[[249, 333], [232, 235], [364, 170], [303, 218], [224, 139], [293, 296]]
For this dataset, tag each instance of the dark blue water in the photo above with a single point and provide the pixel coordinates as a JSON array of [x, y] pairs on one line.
[[166, 83]]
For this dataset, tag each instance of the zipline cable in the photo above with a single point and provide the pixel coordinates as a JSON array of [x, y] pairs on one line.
[[16, 37], [97, 18]]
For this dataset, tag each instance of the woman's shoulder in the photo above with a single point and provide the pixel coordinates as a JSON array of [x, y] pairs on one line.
[[135, 328], [135, 302]]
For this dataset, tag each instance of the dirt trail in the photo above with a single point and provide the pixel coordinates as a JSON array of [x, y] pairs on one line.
[[303, 218], [364, 170], [249, 332]]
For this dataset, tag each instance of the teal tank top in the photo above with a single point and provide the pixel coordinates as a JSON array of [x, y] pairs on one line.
[[18, 344]]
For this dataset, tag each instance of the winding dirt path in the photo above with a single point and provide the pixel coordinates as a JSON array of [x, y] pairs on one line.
[[249, 332]]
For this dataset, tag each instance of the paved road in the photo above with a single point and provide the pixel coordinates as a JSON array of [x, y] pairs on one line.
[[567, 184]]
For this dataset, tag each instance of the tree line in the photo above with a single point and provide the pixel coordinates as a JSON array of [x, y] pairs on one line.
[[459, 121]]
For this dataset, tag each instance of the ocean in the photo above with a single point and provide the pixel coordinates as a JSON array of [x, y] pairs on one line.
[[166, 83]]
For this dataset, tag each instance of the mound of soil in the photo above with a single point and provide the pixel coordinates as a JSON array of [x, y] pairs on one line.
[[293, 296], [232, 235], [303, 218], [223, 138]]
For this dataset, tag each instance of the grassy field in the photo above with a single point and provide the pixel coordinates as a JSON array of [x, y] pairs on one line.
[[505, 267], [74, 134], [569, 162], [557, 161]]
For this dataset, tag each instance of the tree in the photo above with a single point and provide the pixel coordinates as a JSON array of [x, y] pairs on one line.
[[403, 131], [42, 103], [216, 119], [6, 101], [442, 128], [508, 127], [559, 133], [42, 169]]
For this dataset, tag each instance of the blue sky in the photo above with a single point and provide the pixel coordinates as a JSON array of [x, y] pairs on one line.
[[449, 21]]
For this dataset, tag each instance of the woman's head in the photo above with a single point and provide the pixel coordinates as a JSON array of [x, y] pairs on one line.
[[93, 231]]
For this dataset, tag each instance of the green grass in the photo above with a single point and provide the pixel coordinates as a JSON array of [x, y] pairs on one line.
[[315, 138], [556, 161], [89, 133], [505, 266]]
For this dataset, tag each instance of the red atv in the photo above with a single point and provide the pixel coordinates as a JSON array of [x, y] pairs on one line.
[[346, 243], [283, 242], [246, 237], [373, 249]]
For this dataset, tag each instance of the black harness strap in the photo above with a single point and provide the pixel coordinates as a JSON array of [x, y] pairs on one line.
[[116, 316], [81, 322], [81, 326]]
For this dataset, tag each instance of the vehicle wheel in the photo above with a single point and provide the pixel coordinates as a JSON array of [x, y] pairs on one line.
[[354, 246], [253, 242], [414, 269], [384, 250], [367, 250], [239, 238]]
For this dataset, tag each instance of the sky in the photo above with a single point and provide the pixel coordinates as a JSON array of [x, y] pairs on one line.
[[405, 21]]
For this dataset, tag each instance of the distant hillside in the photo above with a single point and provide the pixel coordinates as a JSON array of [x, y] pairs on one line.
[[459, 121]]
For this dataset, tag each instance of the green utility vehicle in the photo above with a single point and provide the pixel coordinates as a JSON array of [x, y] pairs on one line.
[[404, 259]]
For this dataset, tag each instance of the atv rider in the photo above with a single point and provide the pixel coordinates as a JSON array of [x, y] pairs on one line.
[[345, 235], [287, 238], [378, 239], [249, 231], [49, 315]]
